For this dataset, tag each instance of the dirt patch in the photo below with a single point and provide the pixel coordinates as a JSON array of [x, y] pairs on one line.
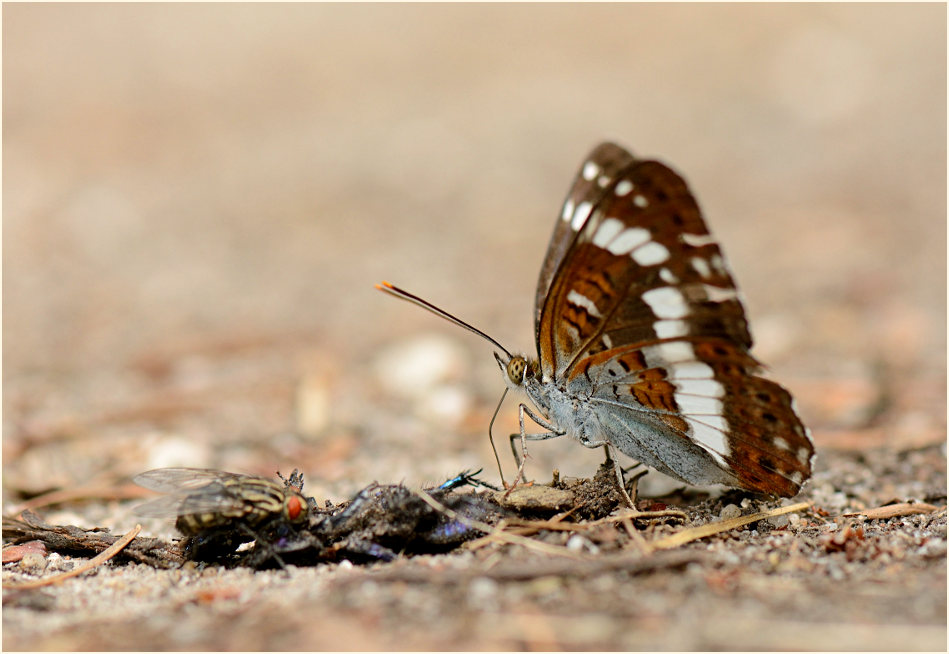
[[598, 585]]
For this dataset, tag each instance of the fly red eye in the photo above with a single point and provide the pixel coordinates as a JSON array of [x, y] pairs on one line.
[[294, 508]]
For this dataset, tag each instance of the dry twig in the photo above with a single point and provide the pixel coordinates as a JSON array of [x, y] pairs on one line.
[[894, 511], [71, 539], [98, 560], [689, 535]]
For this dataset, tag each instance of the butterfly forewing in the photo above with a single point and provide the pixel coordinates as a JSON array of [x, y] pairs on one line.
[[605, 162], [641, 268], [642, 315]]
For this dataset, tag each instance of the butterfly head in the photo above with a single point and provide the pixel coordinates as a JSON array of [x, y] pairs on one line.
[[516, 368]]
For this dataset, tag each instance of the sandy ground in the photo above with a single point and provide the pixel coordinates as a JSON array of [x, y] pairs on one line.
[[198, 199]]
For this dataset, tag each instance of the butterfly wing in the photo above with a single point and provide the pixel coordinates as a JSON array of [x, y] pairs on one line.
[[588, 188], [642, 315]]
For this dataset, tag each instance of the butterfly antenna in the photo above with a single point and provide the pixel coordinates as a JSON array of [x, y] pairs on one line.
[[395, 291]]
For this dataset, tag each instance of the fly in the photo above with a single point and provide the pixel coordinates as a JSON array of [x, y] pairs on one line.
[[218, 511]]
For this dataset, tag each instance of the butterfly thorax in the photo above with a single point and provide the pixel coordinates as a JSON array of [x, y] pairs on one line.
[[564, 408]]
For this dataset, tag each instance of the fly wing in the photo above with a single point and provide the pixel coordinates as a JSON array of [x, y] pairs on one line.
[[204, 490], [167, 506], [173, 480]]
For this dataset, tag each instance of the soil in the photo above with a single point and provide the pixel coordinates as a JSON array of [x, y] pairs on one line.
[[198, 200]]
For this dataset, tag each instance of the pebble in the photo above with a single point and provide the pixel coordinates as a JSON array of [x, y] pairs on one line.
[[537, 497], [313, 405], [167, 451], [730, 512], [16, 552], [413, 367], [446, 405], [578, 543], [33, 562], [483, 592], [779, 521]]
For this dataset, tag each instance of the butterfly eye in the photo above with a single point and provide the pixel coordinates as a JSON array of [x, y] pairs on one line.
[[515, 370]]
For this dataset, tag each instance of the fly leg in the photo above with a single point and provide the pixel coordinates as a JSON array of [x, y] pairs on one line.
[[263, 551]]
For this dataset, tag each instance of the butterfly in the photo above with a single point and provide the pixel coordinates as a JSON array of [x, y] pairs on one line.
[[642, 342]]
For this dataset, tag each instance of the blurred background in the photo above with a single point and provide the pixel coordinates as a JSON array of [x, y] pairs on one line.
[[198, 199]]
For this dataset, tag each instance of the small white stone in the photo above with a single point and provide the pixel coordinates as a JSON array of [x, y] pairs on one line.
[[412, 368], [729, 512], [447, 406], [578, 543], [313, 404], [779, 521], [483, 591], [169, 451], [33, 562]]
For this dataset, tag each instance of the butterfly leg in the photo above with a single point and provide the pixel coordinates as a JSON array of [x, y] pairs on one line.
[[518, 458], [611, 457], [521, 458]]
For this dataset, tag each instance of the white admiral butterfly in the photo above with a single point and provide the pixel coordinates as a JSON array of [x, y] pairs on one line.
[[642, 342]]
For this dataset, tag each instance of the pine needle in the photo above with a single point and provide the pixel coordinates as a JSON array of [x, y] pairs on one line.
[[695, 533]]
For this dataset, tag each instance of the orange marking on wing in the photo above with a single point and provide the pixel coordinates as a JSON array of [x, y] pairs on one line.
[[654, 391]]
